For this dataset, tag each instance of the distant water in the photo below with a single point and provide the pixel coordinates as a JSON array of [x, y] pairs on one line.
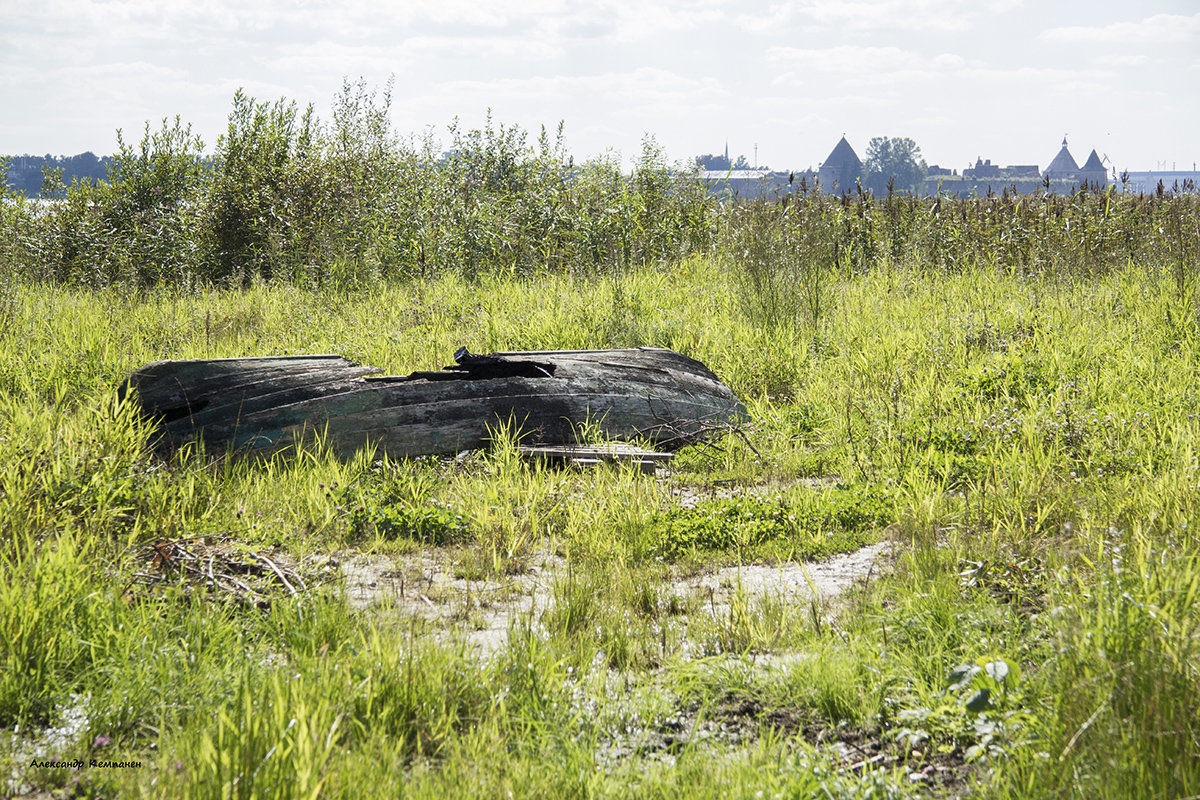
[[38, 204]]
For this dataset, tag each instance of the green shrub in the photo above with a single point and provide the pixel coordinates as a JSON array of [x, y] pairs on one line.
[[139, 227], [263, 206]]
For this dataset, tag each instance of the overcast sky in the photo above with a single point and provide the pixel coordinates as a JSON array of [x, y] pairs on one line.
[[1001, 79]]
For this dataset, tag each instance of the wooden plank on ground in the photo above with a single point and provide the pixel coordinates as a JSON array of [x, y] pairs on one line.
[[586, 455]]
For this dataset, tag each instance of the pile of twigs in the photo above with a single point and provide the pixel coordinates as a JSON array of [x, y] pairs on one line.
[[215, 565]]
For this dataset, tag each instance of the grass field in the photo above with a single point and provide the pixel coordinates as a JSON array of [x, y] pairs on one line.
[[1028, 442], [990, 402]]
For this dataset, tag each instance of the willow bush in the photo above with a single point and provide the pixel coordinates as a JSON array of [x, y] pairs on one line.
[[288, 198]]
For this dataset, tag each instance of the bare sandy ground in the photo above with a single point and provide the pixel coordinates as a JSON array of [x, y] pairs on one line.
[[429, 587]]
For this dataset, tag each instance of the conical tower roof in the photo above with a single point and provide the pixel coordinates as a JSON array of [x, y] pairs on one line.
[[1093, 163], [843, 156], [1063, 163]]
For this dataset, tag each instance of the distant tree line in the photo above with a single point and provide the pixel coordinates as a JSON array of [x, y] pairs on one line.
[[893, 164], [25, 173]]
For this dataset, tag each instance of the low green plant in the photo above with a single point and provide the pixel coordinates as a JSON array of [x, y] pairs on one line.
[[430, 524], [786, 259], [820, 524], [751, 624]]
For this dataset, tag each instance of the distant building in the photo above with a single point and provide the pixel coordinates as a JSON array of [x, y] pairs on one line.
[[1063, 167], [842, 170], [1174, 181], [1093, 172], [983, 170], [747, 184], [1063, 175]]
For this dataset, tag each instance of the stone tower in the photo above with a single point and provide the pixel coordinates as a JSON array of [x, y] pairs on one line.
[[1063, 167], [841, 170]]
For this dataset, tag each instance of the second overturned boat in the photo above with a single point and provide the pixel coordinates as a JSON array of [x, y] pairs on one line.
[[265, 405]]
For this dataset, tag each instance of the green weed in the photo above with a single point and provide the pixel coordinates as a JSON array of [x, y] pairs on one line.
[[806, 527]]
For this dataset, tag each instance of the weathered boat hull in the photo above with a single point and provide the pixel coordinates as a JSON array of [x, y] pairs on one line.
[[265, 405]]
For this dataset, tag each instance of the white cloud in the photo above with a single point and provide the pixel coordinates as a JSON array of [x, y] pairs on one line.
[[415, 58], [1050, 77], [1123, 60], [690, 71], [1157, 29], [119, 71], [789, 78], [641, 21], [848, 59], [634, 89], [627, 21], [330, 57], [775, 18], [890, 15], [134, 18], [948, 61], [491, 47], [859, 69]]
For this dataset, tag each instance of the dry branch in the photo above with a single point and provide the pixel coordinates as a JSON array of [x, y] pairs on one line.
[[215, 565]]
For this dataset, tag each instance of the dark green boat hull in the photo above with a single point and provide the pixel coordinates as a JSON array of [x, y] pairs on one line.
[[267, 405]]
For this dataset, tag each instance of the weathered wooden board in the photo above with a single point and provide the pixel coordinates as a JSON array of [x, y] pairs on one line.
[[583, 455], [268, 404]]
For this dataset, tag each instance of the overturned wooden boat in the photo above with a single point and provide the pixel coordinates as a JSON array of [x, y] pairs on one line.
[[266, 405]]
